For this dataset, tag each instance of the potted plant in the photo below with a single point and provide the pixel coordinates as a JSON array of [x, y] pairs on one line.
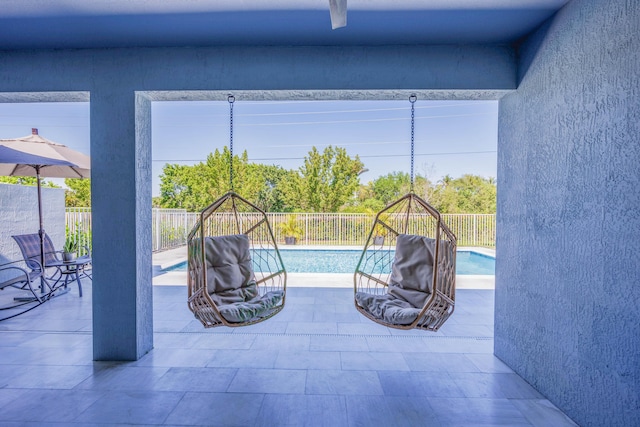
[[70, 249], [379, 230], [291, 230]]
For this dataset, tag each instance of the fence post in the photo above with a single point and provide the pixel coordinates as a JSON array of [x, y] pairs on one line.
[[184, 228], [158, 233], [475, 230]]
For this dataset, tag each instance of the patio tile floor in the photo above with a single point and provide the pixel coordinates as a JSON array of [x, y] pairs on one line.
[[318, 363]]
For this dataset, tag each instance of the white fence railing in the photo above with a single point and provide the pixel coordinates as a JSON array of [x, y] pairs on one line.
[[78, 223], [171, 227]]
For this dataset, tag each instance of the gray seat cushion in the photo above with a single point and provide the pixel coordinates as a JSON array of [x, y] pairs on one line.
[[231, 281], [412, 270], [409, 284], [229, 273], [388, 308], [256, 308]]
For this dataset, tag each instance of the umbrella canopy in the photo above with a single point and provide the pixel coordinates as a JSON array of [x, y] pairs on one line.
[[15, 158], [57, 160], [36, 156]]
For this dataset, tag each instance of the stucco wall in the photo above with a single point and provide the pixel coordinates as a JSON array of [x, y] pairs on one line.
[[19, 215], [568, 233]]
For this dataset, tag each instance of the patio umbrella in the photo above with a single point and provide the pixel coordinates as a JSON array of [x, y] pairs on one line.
[[36, 156], [9, 156]]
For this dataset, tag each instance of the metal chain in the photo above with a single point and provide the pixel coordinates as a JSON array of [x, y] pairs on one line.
[[412, 99], [231, 100]]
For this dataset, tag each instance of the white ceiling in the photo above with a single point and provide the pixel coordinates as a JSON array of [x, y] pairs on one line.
[[27, 24]]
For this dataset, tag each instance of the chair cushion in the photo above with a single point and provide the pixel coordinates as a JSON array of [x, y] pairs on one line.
[[230, 277], [231, 281], [409, 283], [412, 271], [253, 309], [388, 308]]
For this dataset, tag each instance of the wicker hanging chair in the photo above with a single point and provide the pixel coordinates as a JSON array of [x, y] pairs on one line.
[[235, 273], [408, 280], [228, 232], [406, 276]]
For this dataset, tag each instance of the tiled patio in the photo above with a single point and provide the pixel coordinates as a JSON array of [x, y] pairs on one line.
[[317, 363]]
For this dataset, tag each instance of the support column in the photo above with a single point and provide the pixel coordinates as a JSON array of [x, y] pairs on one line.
[[121, 210]]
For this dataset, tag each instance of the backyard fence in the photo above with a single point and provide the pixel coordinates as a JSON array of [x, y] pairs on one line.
[[353, 229], [170, 227], [78, 224]]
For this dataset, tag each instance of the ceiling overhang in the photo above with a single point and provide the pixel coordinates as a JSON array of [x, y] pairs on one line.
[[38, 24]]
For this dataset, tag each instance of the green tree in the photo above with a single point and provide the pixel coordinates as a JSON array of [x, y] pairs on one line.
[[391, 186], [293, 194], [363, 202], [327, 180], [270, 197], [195, 187], [424, 188], [467, 194], [78, 193], [27, 180], [388, 188], [156, 202], [174, 188]]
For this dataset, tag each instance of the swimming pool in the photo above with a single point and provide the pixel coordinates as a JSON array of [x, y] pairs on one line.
[[346, 260]]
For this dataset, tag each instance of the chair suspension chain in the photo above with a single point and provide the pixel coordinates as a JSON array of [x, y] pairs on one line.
[[231, 100], [412, 99]]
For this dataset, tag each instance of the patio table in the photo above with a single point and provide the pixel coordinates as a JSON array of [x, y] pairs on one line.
[[71, 271]]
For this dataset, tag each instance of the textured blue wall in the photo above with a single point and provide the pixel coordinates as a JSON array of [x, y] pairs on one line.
[[568, 234], [19, 213]]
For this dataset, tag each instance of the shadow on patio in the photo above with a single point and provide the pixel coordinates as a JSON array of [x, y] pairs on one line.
[[317, 363]]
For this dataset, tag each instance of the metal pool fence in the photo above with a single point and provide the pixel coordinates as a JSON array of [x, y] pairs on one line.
[[171, 226]]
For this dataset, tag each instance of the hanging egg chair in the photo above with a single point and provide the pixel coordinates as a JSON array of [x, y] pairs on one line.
[[406, 274], [235, 273]]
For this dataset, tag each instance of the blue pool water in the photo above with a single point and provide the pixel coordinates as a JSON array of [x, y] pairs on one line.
[[345, 261]]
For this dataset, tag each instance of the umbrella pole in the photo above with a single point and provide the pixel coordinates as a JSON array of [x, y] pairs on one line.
[[40, 229]]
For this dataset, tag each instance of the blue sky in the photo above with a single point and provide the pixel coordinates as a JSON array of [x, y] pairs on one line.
[[451, 137]]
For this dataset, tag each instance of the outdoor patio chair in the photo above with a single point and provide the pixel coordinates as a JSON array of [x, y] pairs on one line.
[[27, 295], [413, 286], [409, 281], [236, 276], [61, 271]]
